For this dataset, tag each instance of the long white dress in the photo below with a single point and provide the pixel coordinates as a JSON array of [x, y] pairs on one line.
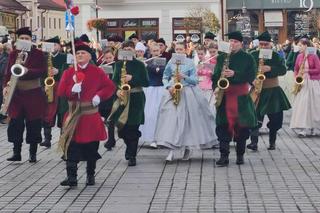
[[191, 123], [305, 109]]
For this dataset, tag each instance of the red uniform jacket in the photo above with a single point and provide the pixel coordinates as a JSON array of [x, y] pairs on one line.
[[28, 103], [90, 127]]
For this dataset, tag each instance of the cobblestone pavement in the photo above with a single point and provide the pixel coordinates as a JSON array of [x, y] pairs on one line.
[[284, 180]]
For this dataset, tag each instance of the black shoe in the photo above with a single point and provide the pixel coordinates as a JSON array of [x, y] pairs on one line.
[[272, 147], [33, 158], [223, 161], [14, 157], [46, 143], [110, 144], [252, 146], [90, 180], [132, 162], [240, 160], [68, 182]]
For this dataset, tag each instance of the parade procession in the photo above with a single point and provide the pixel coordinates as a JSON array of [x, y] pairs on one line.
[[228, 98]]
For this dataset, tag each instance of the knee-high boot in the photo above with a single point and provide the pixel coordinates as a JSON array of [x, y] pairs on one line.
[[47, 137], [91, 166], [33, 152], [71, 179], [16, 152], [272, 140]]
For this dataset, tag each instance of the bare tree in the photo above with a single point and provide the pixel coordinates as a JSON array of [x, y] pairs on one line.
[[203, 19]]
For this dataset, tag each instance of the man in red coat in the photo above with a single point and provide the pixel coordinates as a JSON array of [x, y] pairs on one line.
[[28, 103], [83, 127]]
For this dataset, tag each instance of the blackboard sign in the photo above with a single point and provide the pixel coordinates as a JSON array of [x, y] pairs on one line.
[[146, 35], [301, 24]]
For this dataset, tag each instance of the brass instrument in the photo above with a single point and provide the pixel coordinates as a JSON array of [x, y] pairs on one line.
[[223, 83], [177, 86], [299, 80], [17, 70], [124, 86], [49, 82], [258, 83]]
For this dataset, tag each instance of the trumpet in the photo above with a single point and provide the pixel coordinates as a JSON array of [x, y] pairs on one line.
[[124, 86], [223, 83], [177, 86], [49, 82], [257, 88], [299, 79], [17, 71]]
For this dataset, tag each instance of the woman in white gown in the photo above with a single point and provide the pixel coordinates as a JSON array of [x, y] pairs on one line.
[[190, 124], [305, 110]]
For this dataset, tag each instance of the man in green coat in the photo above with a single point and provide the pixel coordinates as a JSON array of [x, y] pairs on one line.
[[129, 116], [236, 113], [58, 60], [272, 100]]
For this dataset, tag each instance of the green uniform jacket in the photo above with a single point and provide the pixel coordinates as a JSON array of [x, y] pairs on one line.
[[291, 60], [272, 100], [245, 72], [137, 100]]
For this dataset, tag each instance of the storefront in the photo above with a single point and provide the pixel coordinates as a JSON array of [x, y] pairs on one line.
[[146, 28], [282, 18]]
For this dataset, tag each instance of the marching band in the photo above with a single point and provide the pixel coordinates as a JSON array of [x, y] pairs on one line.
[[194, 98]]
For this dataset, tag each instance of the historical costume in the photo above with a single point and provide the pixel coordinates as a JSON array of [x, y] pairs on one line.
[[129, 115], [58, 61], [83, 127], [27, 107], [188, 124], [153, 97], [236, 113], [305, 110], [272, 99]]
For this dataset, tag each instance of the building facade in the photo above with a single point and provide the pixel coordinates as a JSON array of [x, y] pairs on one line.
[[282, 18], [45, 18], [147, 18], [9, 11]]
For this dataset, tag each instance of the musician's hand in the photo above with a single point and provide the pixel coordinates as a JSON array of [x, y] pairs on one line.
[[76, 88], [181, 76], [266, 68], [128, 77], [95, 100], [228, 73], [54, 71], [119, 94], [171, 89]]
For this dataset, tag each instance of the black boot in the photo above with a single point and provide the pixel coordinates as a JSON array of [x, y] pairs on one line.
[[33, 152], [240, 160], [71, 179], [254, 143], [240, 149], [272, 140], [16, 152], [131, 151], [223, 161], [111, 140], [91, 166], [47, 136]]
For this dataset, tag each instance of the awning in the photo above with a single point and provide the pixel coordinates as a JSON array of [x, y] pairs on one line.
[[12, 5], [273, 19]]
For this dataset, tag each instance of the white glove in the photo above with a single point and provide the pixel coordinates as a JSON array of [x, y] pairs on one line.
[[95, 100], [55, 71], [76, 88]]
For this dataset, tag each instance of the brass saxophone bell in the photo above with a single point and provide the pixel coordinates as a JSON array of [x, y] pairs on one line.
[[223, 83], [49, 81], [299, 80], [125, 87], [178, 86], [261, 77]]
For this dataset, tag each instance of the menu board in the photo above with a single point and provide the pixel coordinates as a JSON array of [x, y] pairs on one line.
[[301, 24]]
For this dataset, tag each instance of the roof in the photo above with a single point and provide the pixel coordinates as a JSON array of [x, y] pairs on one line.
[[50, 5], [12, 5]]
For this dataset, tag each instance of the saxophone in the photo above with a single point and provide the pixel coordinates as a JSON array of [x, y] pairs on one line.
[[299, 80], [177, 86], [17, 70], [124, 86], [49, 82], [257, 87], [223, 82]]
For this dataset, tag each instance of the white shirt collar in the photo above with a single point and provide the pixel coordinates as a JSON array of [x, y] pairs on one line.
[[84, 66]]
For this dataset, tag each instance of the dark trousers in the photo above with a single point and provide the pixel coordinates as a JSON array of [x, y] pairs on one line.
[[225, 137], [130, 135], [274, 124], [16, 128]]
